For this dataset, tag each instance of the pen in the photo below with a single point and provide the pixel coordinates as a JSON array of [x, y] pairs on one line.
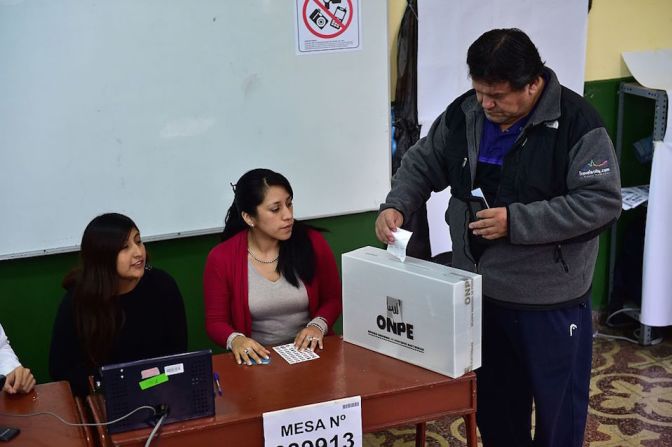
[[219, 387]]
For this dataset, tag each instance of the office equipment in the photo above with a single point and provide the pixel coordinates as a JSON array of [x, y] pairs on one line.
[[217, 384], [180, 383], [152, 108], [417, 311], [393, 393], [658, 133], [8, 433]]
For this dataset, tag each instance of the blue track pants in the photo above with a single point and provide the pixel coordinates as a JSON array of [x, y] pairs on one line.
[[540, 356]]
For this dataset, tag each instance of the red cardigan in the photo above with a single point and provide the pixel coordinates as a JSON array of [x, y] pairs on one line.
[[226, 290]]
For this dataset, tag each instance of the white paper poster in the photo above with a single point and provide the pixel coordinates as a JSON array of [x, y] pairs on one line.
[[656, 278], [324, 26], [653, 69], [448, 27]]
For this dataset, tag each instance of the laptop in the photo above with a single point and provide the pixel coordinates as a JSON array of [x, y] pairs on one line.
[[182, 383]]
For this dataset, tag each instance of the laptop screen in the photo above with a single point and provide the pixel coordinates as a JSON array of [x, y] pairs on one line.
[[181, 382]]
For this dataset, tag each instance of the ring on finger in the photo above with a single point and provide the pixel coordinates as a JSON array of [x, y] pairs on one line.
[[246, 351]]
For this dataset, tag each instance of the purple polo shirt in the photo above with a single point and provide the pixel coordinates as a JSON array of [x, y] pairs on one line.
[[495, 144]]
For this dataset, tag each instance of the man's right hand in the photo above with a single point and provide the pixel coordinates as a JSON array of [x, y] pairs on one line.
[[388, 221]]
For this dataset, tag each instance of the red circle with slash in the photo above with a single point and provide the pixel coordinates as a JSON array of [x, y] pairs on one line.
[[327, 14]]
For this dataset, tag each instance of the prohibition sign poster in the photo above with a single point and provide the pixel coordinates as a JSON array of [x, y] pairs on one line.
[[327, 26]]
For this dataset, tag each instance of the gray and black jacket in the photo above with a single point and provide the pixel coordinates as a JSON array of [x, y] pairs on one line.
[[560, 183]]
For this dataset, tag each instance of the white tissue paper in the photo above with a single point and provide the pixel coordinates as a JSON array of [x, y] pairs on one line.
[[398, 247]]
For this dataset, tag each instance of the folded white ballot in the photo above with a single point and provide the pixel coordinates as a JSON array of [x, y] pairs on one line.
[[398, 247]]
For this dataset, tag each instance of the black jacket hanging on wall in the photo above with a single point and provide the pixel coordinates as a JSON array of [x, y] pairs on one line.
[[406, 126]]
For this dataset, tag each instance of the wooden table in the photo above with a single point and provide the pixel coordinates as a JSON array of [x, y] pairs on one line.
[[393, 393], [45, 430]]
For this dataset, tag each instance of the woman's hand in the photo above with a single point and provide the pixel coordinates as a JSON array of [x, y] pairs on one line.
[[247, 349], [309, 337], [20, 380]]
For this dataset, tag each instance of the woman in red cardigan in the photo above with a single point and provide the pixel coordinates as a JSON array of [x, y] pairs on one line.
[[272, 279]]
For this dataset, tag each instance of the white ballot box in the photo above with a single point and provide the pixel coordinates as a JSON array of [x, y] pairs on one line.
[[417, 311]]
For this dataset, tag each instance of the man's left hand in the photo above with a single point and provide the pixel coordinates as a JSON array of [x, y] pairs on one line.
[[492, 223]]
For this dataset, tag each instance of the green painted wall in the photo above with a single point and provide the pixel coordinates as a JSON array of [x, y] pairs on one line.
[[30, 288]]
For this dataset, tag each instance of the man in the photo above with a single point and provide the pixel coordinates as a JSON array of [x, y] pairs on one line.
[[547, 168], [18, 379]]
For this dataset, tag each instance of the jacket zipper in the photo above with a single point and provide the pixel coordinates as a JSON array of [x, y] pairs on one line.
[[464, 164], [557, 255], [472, 179]]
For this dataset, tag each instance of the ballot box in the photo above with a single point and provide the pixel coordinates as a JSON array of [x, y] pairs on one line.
[[423, 313]]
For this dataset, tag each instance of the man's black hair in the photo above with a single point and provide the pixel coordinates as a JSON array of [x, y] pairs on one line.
[[504, 55]]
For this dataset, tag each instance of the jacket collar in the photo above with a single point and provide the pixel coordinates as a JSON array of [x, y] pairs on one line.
[[548, 108]]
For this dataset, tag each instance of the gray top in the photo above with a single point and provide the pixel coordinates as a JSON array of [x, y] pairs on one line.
[[279, 310]]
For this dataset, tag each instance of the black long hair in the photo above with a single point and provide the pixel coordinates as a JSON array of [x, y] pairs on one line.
[[96, 284], [504, 55], [296, 258]]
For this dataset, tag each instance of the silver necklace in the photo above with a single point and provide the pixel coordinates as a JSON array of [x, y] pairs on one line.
[[261, 260]]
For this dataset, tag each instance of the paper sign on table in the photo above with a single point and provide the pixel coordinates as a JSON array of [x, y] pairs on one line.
[[337, 423]]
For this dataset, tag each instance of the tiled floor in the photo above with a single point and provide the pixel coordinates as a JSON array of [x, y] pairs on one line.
[[630, 402]]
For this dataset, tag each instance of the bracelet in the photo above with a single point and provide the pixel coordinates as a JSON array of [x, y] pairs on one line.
[[317, 325], [233, 336]]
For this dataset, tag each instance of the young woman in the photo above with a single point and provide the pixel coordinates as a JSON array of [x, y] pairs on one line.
[[272, 279], [117, 308]]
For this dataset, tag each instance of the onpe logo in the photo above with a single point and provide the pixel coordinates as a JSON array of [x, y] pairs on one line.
[[394, 322]]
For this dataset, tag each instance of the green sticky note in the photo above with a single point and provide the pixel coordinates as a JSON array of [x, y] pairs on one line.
[[153, 381]]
